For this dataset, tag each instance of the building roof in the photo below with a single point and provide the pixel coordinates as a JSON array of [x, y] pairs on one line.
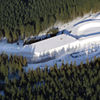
[[52, 43]]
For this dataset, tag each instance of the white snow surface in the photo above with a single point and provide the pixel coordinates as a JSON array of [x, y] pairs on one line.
[[51, 43], [86, 28], [2, 93], [81, 40]]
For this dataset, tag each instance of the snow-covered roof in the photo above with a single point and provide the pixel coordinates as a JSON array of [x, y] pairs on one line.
[[52, 43]]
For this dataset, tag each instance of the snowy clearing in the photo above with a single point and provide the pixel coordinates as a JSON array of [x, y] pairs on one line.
[[81, 40]]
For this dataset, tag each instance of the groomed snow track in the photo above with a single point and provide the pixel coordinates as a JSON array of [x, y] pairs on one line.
[[87, 28]]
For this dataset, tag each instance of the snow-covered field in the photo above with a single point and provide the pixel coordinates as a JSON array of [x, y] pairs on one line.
[[81, 40]]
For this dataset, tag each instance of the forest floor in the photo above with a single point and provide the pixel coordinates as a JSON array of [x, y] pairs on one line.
[[81, 40]]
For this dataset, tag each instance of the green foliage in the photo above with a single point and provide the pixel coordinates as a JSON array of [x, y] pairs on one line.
[[70, 82], [28, 17], [9, 66], [53, 31]]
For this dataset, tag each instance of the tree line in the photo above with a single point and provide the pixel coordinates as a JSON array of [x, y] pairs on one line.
[[69, 82], [10, 66], [23, 18]]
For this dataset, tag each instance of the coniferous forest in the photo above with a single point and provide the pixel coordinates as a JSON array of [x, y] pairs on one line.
[[69, 82], [23, 18]]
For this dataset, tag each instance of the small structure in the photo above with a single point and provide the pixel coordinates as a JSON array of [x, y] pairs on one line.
[[52, 44]]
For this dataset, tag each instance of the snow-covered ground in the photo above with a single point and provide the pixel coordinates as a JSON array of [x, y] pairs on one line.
[[2, 93], [81, 40]]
